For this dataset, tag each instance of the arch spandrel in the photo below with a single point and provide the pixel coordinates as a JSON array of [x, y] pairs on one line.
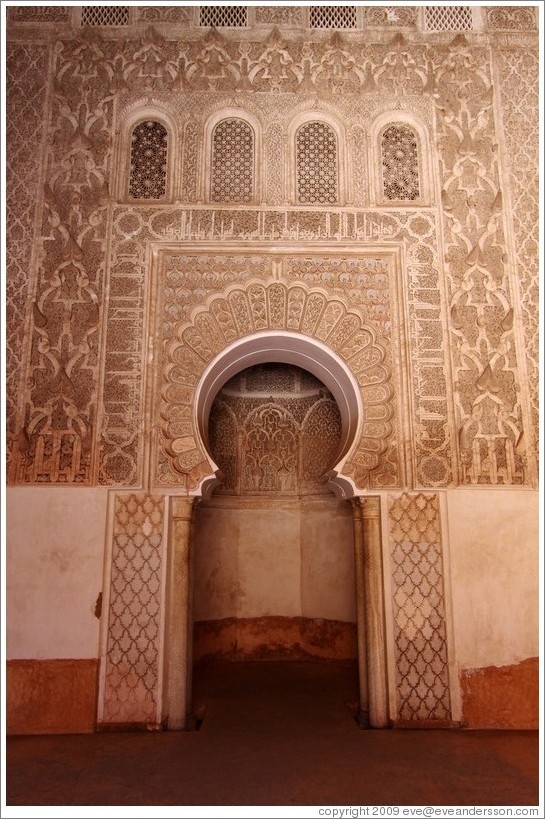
[[276, 321]]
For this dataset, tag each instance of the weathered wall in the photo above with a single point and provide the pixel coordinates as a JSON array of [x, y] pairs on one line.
[[280, 569], [54, 577], [495, 603]]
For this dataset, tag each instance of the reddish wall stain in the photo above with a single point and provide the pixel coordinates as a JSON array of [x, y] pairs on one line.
[[274, 638], [51, 696], [504, 697]]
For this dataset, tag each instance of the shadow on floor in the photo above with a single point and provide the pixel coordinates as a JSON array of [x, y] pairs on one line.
[[275, 734]]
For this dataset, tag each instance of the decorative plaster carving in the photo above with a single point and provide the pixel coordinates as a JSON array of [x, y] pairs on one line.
[[520, 118], [420, 640], [511, 17], [276, 306], [26, 86], [485, 370], [63, 373], [274, 428], [130, 690]]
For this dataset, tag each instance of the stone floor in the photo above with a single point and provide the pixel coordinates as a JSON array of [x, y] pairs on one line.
[[275, 734]]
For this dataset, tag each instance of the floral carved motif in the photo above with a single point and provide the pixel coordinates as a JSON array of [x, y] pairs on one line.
[[26, 94], [262, 306], [56, 437], [489, 414], [520, 110]]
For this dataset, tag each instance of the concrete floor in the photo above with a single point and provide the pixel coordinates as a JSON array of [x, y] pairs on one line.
[[275, 734]]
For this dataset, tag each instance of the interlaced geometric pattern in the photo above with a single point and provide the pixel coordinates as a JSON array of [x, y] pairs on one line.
[[274, 429], [105, 16], [135, 608], [316, 148], [333, 17], [421, 661], [232, 162], [399, 151], [448, 18], [148, 174], [226, 16]]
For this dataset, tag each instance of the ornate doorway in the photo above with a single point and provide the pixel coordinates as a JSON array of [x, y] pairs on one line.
[[274, 556]]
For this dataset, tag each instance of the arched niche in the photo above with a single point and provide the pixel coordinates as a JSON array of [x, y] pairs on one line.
[[286, 348]]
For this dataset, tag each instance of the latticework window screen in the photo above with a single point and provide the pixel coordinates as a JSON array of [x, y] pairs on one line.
[[105, 16], [448, 18], [223, 16], [317, 164], [148, 173], [399, 156], [232, 162], [333, 17]]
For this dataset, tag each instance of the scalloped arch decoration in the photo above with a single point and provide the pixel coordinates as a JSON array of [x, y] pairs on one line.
[[263, 310]]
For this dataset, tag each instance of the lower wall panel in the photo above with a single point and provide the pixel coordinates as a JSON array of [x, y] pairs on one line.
[[275, 638], [504, 697], [51, 696]]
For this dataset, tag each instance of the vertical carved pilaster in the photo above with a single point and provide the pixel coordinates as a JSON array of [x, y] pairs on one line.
[[179, 617], [374, 613], [363, 715]]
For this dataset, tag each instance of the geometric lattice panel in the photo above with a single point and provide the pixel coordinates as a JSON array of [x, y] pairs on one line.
[[132, 655], [448, 18], [316, 149], [147, 178], [399, 153], [420, 642], [333, 17], [105, 16], [232, 162], [223, 16]]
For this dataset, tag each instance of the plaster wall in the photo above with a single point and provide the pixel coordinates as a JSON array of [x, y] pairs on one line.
[[493, 542], [274, 558], [54, 568]]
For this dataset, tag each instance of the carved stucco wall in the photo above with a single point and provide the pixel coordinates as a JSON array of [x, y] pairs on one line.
[[79, 409], [99, 286]]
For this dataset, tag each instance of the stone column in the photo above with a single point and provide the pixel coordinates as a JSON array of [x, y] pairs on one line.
[[179, 614], [363, 713], [374, 613]]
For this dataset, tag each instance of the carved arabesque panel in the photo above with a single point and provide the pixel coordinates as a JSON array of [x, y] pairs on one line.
[[420, 639], [62, 371], [262, 305], [131, 691], [274, 429], [520, 116], [26, 88], [489, 413]]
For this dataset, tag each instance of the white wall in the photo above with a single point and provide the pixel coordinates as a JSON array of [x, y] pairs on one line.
[[54, 568], [493, 541]]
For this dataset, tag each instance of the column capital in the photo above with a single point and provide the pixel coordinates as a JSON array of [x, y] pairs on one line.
[[181, 508], [370, 507]]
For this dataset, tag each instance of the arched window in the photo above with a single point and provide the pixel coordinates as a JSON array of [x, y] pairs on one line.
[[148, 171], [400, 163], [232, 166], [317, 164]]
